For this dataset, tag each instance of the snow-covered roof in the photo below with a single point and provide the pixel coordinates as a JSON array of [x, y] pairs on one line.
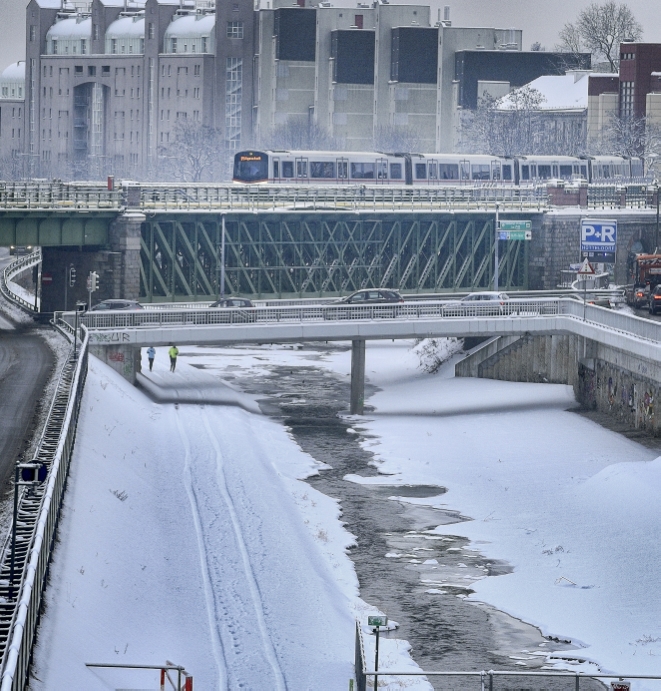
[[14, 73], [71, 28], [565, 92], [127, 27], [191, 26]]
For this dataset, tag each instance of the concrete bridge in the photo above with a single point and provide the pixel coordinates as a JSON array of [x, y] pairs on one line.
[[600, 352]]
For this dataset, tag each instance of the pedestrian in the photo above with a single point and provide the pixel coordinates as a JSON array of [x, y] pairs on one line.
[[173, 352], [151, 354]]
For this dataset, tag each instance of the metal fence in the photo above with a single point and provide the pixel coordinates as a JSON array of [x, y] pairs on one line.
[[38, 514], [59, 196], [12, 270], [484, 680]]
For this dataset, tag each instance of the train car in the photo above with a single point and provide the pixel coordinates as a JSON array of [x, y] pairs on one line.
[[535, 169], [435, 169], [319, 167]]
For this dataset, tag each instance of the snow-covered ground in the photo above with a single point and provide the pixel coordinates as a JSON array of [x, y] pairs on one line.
[[188, 535]]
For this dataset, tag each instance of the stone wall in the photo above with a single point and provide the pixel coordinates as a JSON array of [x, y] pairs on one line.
[[124, 359]]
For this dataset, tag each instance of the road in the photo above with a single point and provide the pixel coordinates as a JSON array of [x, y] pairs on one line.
[[25, 363]]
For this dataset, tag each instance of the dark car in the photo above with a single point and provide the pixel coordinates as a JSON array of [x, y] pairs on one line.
[[655, 300], [372, 297], [242, 309], [117, 305]]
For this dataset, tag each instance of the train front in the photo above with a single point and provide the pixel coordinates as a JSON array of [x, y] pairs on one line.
[[251, 167]]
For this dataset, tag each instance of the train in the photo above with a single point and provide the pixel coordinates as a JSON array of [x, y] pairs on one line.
[[375, 168]]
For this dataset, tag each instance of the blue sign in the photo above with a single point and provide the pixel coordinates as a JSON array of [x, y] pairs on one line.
[[599, 240]]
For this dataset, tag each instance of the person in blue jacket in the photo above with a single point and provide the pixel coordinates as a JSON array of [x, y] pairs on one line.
[[151, 354]]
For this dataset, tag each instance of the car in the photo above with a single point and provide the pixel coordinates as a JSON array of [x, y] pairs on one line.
[[117, 305], [484, 303], [372, 296], [655, 300], [242, 309]]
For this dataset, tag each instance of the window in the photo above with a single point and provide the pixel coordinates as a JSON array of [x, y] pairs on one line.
[[525, 172], [287, 169], [448, 171], [95, 32], [196, 92], [301, 168], [421, 171], [234, 30], [182, 70], [196, 70], [565, 172], [91, 70], [362, 171], [205, 44], [544, 172], [150, 31], [358, 21], [33, 33], [507, 173], [342, 169], [233, 97], [481, 171], [626, 99], [173, 45], [105, 70], [83, 46], [322, 169], [113, 46], [45, 68]]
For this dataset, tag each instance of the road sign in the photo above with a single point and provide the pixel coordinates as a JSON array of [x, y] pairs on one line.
[[515, 235], [46, 279], [377, 621], [515, 225], [599, 240], [586, 269]]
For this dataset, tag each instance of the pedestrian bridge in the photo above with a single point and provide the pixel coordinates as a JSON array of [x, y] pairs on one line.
[[631, 342]]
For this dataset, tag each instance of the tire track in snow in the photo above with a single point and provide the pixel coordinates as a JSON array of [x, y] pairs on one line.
[[234, 602], [218, 648]]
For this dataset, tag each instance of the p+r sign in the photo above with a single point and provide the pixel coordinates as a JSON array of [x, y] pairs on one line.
[[599, 240]]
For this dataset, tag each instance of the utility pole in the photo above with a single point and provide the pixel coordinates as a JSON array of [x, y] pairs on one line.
[[222, 258], [495, 250]]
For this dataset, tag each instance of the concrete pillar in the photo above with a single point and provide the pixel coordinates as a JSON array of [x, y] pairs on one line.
[[357, 376], [125, 233]]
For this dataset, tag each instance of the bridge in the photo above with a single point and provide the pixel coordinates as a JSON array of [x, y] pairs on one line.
[[169, 242], [580, 334]]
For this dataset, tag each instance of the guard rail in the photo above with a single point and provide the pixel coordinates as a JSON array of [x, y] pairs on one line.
[[38, 514], [12, 270]]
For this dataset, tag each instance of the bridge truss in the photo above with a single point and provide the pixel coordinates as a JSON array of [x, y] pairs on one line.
[[323, 254]]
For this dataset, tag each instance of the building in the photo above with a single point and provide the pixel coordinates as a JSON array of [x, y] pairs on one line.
[[111, 84]]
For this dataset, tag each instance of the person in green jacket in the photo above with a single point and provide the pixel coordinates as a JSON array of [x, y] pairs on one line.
[[173, 352]]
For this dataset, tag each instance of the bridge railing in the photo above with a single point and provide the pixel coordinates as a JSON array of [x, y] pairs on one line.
[[59, 195], [11, 271], [38, 514]]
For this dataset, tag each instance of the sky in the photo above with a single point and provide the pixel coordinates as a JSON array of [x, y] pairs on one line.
[[540, 21]]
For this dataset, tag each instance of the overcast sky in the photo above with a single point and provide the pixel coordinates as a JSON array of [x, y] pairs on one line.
[[539, 20]]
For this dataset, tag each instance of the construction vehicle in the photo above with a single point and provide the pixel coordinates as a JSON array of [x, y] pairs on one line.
[[646, 276]]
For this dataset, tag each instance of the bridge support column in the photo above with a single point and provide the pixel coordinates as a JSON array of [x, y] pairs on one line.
[[125, 234], [124, 359], [357, 376]]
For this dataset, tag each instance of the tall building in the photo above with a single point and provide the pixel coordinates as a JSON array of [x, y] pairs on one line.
[[110, 85]]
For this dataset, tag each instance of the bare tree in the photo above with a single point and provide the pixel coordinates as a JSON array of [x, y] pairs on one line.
[[396, 138], [600, 29], [300, 136], [628, 135], [537, 47], [197, 153]]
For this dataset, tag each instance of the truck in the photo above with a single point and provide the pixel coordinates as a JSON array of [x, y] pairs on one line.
[[646, 276]]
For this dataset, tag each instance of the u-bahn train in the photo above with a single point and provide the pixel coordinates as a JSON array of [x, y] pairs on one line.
[[336, 167]]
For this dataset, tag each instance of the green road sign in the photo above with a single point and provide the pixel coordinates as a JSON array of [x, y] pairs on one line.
[[377, 621], [515, 225], [515, 235]]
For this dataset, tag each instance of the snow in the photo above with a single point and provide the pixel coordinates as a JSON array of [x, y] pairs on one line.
[[563, 92], [191, 537]]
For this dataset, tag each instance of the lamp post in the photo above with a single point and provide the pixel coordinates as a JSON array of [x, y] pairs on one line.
[[495, 250]]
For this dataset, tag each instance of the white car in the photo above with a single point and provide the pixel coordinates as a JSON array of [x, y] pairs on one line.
[[483, 304]]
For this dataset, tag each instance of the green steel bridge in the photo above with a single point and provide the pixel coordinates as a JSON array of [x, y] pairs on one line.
[[298, 241]]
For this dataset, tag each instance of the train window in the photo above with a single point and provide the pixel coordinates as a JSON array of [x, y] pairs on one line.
[[301, 168], [421, 171], [448, 171], [584, 172], [288, 169], [507, 173], [544, 172], [395, 171], [565, 172], [525, 172], [342, 169], [433, 170], [480, 172], [362, 171], [605, 171], [322, 169]]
